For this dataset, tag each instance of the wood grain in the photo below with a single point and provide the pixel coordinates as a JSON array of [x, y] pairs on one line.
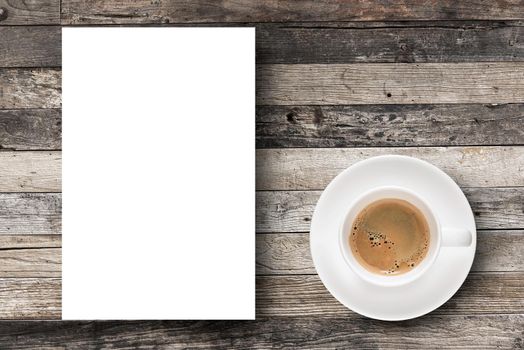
[[291, 211], [31, 129], [203, 11], [389, 125], [30, 88], [30, 171], [9, 241], [37, 263], [34, 46], [305, 295], [30, 256], [282, 296], [388, 43], [443, 332], [30, 298], [314, 168], [289, 253], [30, 213], [390, 83], [29, 12]]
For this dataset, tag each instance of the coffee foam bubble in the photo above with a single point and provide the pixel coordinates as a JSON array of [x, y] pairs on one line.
[[397, 259]]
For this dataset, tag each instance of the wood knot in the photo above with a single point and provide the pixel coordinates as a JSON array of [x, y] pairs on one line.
[[3, 13]]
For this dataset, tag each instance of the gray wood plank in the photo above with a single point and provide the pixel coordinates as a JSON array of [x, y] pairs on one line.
[[289, 253], [314, 168], [305, 295], [291, 211], [30, 256], [30, 298], [390, 83], [443, 332], [30, 88], [10, 241], [31, 171], [31, 129], [42, 262], [30, 213], [389, 125], [387, 43], [33, 46], [29, 12], [31, 263], [282, 296], [202, 11]]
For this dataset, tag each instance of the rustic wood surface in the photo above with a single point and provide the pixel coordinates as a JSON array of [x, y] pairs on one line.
[[29, 12], [465, 332], [30, 129], [30, 88], [291, 211], [390, 83], [289, 253], [305, 295], [354, 42], [389, 125], [203, 11], [314, 168], [30, 213], [31, 171], [34, 46], [337, 82], [30, 298]]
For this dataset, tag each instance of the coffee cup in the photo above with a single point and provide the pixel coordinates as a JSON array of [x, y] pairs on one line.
[[439, 237]]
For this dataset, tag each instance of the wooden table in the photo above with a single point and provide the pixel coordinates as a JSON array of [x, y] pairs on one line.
[[441, 81]]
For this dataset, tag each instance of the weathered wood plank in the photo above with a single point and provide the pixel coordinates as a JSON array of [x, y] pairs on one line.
[[443, 332], [29, 12], [30, 256], [299, 295], [10, 241], [310, 168], [202, 11], [42, 262], [291, 211], [32, 46], [30, 298], [289, 253], [30, 213], [434, 42], [305, 295], [389, 125], [30, 171], [30, 129], [30, 88], [390, 83]]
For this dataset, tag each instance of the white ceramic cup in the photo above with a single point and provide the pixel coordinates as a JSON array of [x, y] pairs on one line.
[[439, 236]]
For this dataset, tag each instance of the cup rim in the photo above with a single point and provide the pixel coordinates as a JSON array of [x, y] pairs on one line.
[[397, 280]]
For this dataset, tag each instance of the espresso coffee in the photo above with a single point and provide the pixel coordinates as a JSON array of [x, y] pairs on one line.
[[389, 237]]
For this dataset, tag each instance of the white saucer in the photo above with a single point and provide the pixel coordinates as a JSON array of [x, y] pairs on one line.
[[426, 293]]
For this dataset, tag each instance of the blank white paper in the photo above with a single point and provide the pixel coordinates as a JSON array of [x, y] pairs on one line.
[[158, 173]]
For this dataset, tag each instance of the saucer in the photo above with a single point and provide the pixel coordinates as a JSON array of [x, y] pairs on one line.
[[426, 293]]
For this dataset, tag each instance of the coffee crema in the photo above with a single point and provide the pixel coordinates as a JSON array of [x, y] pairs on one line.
[[389, 237]]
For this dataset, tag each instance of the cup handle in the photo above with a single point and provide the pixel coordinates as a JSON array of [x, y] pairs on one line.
[[456, 237]]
